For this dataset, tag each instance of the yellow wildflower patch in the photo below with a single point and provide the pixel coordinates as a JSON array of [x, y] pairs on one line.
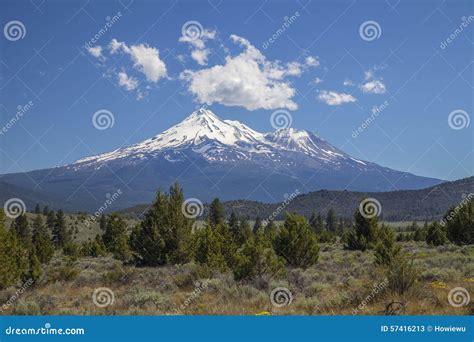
[[439, 285]]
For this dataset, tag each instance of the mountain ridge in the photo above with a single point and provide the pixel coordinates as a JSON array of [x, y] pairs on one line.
[[402, 205], [211, 158]]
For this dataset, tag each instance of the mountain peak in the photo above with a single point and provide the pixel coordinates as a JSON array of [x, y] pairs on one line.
[[224, 140], [203, 113]]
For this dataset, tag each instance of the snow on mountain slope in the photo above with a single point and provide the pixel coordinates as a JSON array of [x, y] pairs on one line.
[[212, 158], [223, 140]]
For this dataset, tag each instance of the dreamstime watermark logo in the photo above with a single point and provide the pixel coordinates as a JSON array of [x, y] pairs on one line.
[[378, 287], [13, 298], [465, 21], [370, 207], [280, 297], [47, 329], [21, 110], [192, 30], [14, 30], [111, 198], [103, 119], [192, 208], [375, 112], [452, 213], [281, 207], [110, 21], [370, 30], [103, 296], [199, 287], [458, 297], [287, 22], [14, 207], [281, 119], [458, 119]]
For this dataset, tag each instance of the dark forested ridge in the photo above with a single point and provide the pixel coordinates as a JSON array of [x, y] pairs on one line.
[[426, 204]]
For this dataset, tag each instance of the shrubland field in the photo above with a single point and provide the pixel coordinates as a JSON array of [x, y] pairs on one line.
[[340, 282], [167, 263]]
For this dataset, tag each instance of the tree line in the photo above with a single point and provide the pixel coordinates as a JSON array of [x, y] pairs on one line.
[[166, 235]]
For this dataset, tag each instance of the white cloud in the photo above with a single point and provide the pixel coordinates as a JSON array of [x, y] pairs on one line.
[[248, 80], [199, 51], [126, 81], [317, 80], [348, 83], [333, 98], [96, 51], [373, 87], [368, 75], [312, 61], [146, 59], [200, 56], [115, 46], [199, 42], [293, 69]]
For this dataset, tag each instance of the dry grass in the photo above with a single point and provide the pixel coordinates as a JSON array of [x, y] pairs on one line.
[[340, 282]]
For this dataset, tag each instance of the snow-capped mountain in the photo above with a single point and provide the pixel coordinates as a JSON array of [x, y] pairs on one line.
[[219, 140], [211, 158]]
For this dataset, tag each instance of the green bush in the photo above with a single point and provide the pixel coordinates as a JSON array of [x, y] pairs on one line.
[[296, 242], [257, 259]]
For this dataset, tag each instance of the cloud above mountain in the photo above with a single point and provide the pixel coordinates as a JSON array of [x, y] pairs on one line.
[[247, 80], [146, 59], [333, 98], [197, 41], [373, 85]]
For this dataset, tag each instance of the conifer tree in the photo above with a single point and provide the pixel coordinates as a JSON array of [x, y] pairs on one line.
[[257, 225], [296, 242], [331, 221], [34, 270], [270, 231], [165, 233], [317, 223], [245, 231], [436, 234], [102, 222], [37, 209], [414, 226], [209, 251], [45, 210], [364, 234], [115, 238], [42, 241], [181, 226], [460, 223], [312, 221], [13, 256], [22, 229], [51, 220], [340, 226], [148, 239], [94, 248], [227, 242], [257, 259], [216, 213], [234, 225], [420, 234], [59, 231], [386, 249]]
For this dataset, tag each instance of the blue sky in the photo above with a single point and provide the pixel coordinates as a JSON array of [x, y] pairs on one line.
[[322, 67]]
